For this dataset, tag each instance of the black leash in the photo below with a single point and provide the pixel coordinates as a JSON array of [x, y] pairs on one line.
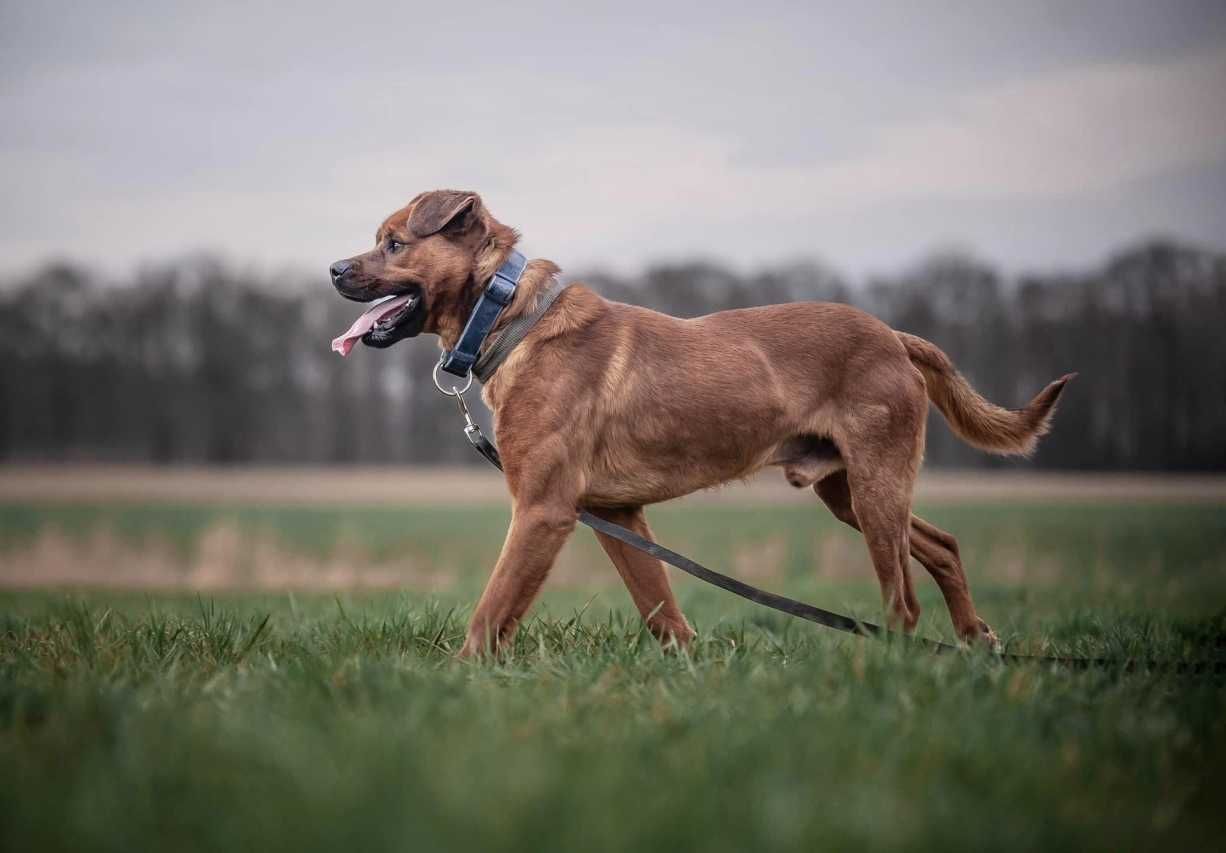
[[822, 617]]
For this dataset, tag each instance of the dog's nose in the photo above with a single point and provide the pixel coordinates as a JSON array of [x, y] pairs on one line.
[[339, 269]]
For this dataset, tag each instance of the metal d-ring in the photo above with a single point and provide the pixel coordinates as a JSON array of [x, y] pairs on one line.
[[454, 392]]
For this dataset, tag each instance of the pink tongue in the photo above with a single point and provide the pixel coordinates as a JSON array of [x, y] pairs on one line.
[[366, 322]]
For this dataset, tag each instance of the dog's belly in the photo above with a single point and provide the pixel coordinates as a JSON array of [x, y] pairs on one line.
[[636, 467], [655, 484], [805, 459]]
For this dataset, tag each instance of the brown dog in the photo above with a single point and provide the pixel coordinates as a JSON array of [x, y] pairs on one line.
[[611, 407]]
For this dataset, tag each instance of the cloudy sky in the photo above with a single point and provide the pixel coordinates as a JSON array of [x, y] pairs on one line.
[[1035, 134]]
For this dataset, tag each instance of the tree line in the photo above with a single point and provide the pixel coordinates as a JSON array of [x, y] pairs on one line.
[[196, 362]]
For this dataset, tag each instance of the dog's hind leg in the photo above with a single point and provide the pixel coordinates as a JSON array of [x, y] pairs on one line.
[[883, 508], [880, 437], [897, 589], [938, 552], [645, 577]]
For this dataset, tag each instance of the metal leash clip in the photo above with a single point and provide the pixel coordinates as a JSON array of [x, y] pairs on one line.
[[472, 431]]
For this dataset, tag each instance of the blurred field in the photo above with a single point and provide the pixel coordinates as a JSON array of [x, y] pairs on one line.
[[466, 486], [223, 668], [435, 530]]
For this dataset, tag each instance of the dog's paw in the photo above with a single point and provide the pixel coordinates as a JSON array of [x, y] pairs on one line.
[[982, 636], [988, 637]]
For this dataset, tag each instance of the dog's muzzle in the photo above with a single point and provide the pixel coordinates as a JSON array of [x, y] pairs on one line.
[[391, 318]]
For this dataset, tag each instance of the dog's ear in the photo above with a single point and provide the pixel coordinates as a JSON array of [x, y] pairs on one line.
[[443, 210]]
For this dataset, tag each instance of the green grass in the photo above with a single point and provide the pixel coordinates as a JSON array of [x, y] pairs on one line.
[[133, 721]]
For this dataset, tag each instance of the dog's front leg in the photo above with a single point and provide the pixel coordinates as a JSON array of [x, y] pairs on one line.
[[645, 578], [541, 520]]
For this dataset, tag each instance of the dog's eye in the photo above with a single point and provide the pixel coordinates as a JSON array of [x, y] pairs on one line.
[[394, 246]]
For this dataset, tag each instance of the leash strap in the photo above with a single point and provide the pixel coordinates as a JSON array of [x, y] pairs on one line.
[[497, 296], [826, 618], [759, 596]]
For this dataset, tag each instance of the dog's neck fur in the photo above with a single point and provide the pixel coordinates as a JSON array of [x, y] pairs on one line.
[[573, 311]]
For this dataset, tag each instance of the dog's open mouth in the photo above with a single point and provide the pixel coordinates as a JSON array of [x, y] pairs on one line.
[[390, 311]]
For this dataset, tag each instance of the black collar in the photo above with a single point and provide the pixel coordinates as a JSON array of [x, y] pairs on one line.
[[496, 297]]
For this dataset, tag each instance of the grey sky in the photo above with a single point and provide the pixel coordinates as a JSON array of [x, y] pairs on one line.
[[1035, 134]]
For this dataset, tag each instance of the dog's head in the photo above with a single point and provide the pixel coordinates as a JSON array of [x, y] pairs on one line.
[[439, 249]]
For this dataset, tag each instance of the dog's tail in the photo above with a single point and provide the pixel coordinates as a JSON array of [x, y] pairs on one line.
[[1009, 432]]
